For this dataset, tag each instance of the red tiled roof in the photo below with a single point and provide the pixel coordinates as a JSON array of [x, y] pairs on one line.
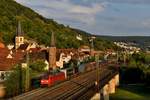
[[7, 63], [2, 45], [3, 52], [35, 49], [37, 53]]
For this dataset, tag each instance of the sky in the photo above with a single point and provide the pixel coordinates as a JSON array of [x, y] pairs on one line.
[[101, 17]]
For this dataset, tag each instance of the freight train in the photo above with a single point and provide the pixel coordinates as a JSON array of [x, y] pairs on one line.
[[57, 76]]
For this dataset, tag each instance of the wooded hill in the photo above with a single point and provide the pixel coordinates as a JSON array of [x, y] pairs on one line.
[[39, 29]]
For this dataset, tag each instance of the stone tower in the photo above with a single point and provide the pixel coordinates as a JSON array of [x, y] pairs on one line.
[[52, 53], [19, 39]]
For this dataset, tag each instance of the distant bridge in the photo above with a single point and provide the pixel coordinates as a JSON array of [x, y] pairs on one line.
[[96, 84]]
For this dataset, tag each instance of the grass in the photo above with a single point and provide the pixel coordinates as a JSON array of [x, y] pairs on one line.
[[131, 92]]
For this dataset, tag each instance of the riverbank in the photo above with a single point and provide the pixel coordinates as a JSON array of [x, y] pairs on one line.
[[131, 92]]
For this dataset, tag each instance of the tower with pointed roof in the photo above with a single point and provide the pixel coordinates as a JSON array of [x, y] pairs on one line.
[[52, 53], [19, 39]]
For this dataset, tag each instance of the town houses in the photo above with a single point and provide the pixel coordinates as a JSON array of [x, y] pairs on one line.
[[13, 54], [129, 47]]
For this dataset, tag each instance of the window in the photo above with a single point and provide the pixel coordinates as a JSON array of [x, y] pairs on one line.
[[21, 39], [2, 77]]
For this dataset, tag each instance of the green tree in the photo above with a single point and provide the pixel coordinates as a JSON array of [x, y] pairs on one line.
[[38, 66], [147, 59], [15, 81], [132, 63]]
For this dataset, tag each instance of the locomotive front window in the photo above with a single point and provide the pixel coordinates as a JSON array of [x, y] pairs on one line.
[[45, 77], [54, 72]]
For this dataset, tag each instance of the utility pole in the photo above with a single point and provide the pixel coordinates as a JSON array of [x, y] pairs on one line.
[[27, 78], [20, 78], [117, 57], [91, 40], [97, 71], [124, 56]]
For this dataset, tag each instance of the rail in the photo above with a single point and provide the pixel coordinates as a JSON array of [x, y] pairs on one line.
[[73, 89]]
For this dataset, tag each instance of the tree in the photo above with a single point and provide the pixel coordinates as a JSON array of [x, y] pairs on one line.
[[38, 66], [15, 82], [132, 63], [147, 59]]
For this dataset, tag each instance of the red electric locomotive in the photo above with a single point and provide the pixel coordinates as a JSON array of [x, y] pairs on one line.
[[52, 78]]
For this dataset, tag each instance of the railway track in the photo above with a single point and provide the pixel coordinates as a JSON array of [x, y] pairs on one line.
[[68, 90], [56, 90], [36, 92], [83, 85]]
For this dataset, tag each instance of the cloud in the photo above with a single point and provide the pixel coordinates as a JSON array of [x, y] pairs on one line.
[[87, 10], [107, 17], [64, 9], [146, 23], [120, 1]]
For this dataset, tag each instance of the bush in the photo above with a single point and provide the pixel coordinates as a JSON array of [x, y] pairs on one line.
[[38, 66], [15, 82], [131, 75]]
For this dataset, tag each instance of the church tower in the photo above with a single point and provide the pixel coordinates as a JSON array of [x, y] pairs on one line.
[[19, 39], [52, 53]]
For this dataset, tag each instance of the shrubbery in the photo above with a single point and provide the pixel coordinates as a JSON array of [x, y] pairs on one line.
[[38, 66], [137, 69]]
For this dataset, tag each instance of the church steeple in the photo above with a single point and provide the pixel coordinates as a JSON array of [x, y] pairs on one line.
[[52, 40], [52, 53], [19, 30], [19, 39]]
